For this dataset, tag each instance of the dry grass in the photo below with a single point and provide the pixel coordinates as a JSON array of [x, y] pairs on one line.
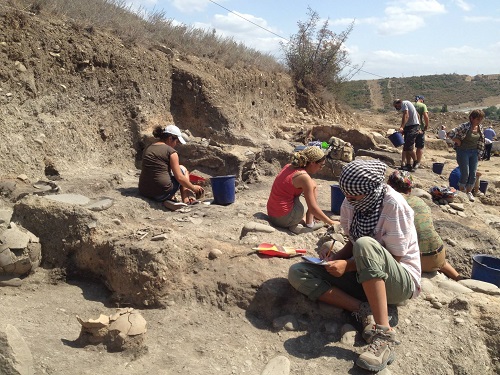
[[141, 27]]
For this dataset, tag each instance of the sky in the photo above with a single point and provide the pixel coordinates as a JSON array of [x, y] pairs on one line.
[[390, 38]]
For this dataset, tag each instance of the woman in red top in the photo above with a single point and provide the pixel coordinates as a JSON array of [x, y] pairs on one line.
[[283, 206]]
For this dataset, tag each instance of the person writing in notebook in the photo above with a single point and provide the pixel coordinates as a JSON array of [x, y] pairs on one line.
[[379, 265]]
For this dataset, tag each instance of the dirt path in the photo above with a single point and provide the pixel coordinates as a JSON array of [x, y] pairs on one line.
[[375, 94]]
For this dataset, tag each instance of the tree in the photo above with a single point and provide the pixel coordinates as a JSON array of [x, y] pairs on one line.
[[317, 58]]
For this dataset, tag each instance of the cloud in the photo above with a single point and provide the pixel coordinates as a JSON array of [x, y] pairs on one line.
[[463, 5], [189, 6], [254, 34], [399, 25], [479, 19]]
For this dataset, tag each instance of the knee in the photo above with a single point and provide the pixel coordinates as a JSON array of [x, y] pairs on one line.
[[364, 246], [295, 275], [184, 170]]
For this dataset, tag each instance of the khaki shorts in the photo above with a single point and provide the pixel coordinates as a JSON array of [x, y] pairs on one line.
[[372, 261], [435, 262], [294, 217]]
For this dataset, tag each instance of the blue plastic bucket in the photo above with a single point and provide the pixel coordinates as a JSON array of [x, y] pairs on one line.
[[223, 189], [454, 177], [397, 139], [337, 199], [486, 268], [483, 186], [437, 167]]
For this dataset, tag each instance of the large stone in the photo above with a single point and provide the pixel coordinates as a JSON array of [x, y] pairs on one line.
[[15, 238], [279, 365], [77, 199], [15, 355]]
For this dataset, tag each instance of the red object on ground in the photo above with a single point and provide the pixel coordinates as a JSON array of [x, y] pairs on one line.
[[278, 251]]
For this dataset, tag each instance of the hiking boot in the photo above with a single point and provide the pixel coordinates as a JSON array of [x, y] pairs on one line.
[[364, 316], [380, 352]]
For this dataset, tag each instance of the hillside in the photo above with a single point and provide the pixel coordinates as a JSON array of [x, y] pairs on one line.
[[77, 106], [453, 90]]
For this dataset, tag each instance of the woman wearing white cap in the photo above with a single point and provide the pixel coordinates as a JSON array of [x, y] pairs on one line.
[[161, 174]]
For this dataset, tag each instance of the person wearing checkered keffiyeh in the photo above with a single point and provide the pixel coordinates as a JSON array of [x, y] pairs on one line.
[[378, 265], [364, 178]]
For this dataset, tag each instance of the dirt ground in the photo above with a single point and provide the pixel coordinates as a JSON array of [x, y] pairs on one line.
[[76, 106], [216, 328]]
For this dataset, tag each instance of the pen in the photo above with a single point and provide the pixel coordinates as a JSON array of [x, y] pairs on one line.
[[330, 250]]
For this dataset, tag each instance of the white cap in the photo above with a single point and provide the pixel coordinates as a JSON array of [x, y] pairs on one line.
[[174, 130]]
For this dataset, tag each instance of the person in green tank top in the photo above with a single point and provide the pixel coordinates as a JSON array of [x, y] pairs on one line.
[[432, 251]]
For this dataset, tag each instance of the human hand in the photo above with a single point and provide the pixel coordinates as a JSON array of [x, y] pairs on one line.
[[199, 191], [401, 130], [336, 267], [326, 251]]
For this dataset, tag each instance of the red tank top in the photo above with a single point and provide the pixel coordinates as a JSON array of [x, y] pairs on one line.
[[283, 192]]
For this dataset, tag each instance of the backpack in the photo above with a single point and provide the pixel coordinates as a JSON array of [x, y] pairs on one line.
[[340, 150]]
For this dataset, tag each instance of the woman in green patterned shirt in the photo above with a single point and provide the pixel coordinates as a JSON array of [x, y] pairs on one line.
[[432, 252]]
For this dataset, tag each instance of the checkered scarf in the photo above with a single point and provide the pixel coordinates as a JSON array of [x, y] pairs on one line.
[[364, 177]]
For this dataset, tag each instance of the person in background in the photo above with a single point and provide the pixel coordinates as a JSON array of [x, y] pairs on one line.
[[489, 137], [423, 119], [379, 264], [469, 145], [432, 252], [409, 128], [284, 208], [442, 132], [161, 174]]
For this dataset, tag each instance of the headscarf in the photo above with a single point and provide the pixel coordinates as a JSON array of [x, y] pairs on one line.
[[401, 181], [364, 177], [308, 155]]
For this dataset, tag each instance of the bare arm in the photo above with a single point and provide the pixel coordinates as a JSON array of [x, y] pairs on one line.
[[308, 186], [179, 176], [341, 261], [426, 120], [404, 120]]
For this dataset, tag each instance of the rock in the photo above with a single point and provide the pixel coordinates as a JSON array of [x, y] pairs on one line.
[[69, 198], [15, 355], [214, 254], [480, 286], [160, 237], [9, 280], [421, 193], [288, 322], [279, 365], [100, 205], [348, 333], [15, 238], [256, 227], [457, 206], [454, 286], [5, 215]]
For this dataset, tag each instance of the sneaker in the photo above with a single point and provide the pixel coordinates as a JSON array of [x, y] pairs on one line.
[[416, 165], [299, 229], [470, 196], [315, 226], [380, 352]]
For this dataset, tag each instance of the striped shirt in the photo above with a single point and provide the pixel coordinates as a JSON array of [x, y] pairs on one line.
[[395, 231]]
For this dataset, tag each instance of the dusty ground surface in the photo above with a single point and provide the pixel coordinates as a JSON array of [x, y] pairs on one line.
[[76, 105]]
